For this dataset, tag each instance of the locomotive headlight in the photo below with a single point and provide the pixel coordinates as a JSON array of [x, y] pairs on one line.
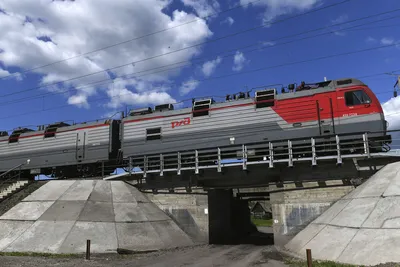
[[27, 161], [232, 140]]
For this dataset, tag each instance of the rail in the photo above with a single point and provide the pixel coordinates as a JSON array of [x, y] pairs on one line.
[[313, 150]]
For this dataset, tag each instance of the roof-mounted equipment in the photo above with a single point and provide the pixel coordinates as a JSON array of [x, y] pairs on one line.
[[140, 111], [164, 107], [14, 137], [3, 133], [201, 107], [265, 98], [52, 129]]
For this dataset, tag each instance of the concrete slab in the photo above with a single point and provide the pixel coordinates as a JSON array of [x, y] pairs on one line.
[[11, 230], [121, 193], [386, 209], [139, 196], [355, 213], [376, 187], [330, 242], [27, 211], [42, 236], [152, 212], [101, 192], [80, 190], [102, 236], [97, 212], [171, 235], [138, 237], [394, 188], [297, 244], [128, 212], [52, 190], [63, 210], [373, 246], [332, 212]]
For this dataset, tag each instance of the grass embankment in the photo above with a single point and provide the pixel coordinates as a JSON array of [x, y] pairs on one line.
[[262, 222], [38, 254], [300, 263]]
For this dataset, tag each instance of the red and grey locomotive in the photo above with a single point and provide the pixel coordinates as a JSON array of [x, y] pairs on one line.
[[326, 108]]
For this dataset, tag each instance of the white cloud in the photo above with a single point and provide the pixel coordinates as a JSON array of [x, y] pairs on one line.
[[120, 94], [391, 109], [209, 67], [188, 86], [239, 61], [387, 41], [6, 73], [78, 100], [370, 39], [203, 8], [55, 33], [228, 20], [275, 8], [340, 19]]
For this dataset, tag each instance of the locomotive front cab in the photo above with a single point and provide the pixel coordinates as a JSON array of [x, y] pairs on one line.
[[359, 110]]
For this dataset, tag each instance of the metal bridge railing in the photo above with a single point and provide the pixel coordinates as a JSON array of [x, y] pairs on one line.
[[313, 150]]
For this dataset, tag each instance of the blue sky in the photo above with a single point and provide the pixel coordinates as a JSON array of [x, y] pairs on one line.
[[50, 35]]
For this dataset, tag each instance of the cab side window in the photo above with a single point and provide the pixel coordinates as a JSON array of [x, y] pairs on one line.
[[357, 97]]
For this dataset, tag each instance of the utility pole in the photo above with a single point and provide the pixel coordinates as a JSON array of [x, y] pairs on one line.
[[397, 84]]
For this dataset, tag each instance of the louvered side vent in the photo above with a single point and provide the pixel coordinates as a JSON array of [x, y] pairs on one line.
[[265, 98], [201, 108]]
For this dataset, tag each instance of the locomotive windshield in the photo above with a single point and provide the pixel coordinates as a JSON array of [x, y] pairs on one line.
[[357, 97]]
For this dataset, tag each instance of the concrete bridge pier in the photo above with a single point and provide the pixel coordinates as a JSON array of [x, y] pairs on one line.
[[293, 210], [230, 222]]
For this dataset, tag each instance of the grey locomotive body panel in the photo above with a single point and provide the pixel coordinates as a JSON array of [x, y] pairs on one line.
[[71, 145]]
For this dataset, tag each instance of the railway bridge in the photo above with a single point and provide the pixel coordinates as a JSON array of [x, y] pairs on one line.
[[226, 172]]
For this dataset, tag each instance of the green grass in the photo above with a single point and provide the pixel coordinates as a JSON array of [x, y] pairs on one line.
[[315, 263], [35, 254], [262, 222]]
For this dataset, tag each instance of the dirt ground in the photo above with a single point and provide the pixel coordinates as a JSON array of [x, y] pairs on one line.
[[198, 256]]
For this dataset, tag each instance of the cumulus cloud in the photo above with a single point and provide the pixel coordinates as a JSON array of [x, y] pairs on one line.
[[239, 61], [209, 67], [121, 94], [188, 86], [228, 20], [55, 31], [203, 8], [78, 100], [275, 8], [391, 109], [387, 41], [6, 73]]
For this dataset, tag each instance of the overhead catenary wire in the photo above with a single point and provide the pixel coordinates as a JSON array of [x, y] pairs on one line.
[[134, 38], [182, 49], [204, 59], [237, 74]]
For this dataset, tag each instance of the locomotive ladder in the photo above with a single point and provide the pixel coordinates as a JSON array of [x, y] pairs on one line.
[[270, 153]]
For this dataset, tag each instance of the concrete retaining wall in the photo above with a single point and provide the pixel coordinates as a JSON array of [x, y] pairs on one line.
[[293, 210], [190, 212]]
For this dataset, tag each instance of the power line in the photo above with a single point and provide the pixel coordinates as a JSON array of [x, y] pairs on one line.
[[133, 39], [241, 73], [204, 59], [182, 49]]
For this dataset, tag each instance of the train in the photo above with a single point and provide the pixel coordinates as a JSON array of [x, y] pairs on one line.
[[326, 108]]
